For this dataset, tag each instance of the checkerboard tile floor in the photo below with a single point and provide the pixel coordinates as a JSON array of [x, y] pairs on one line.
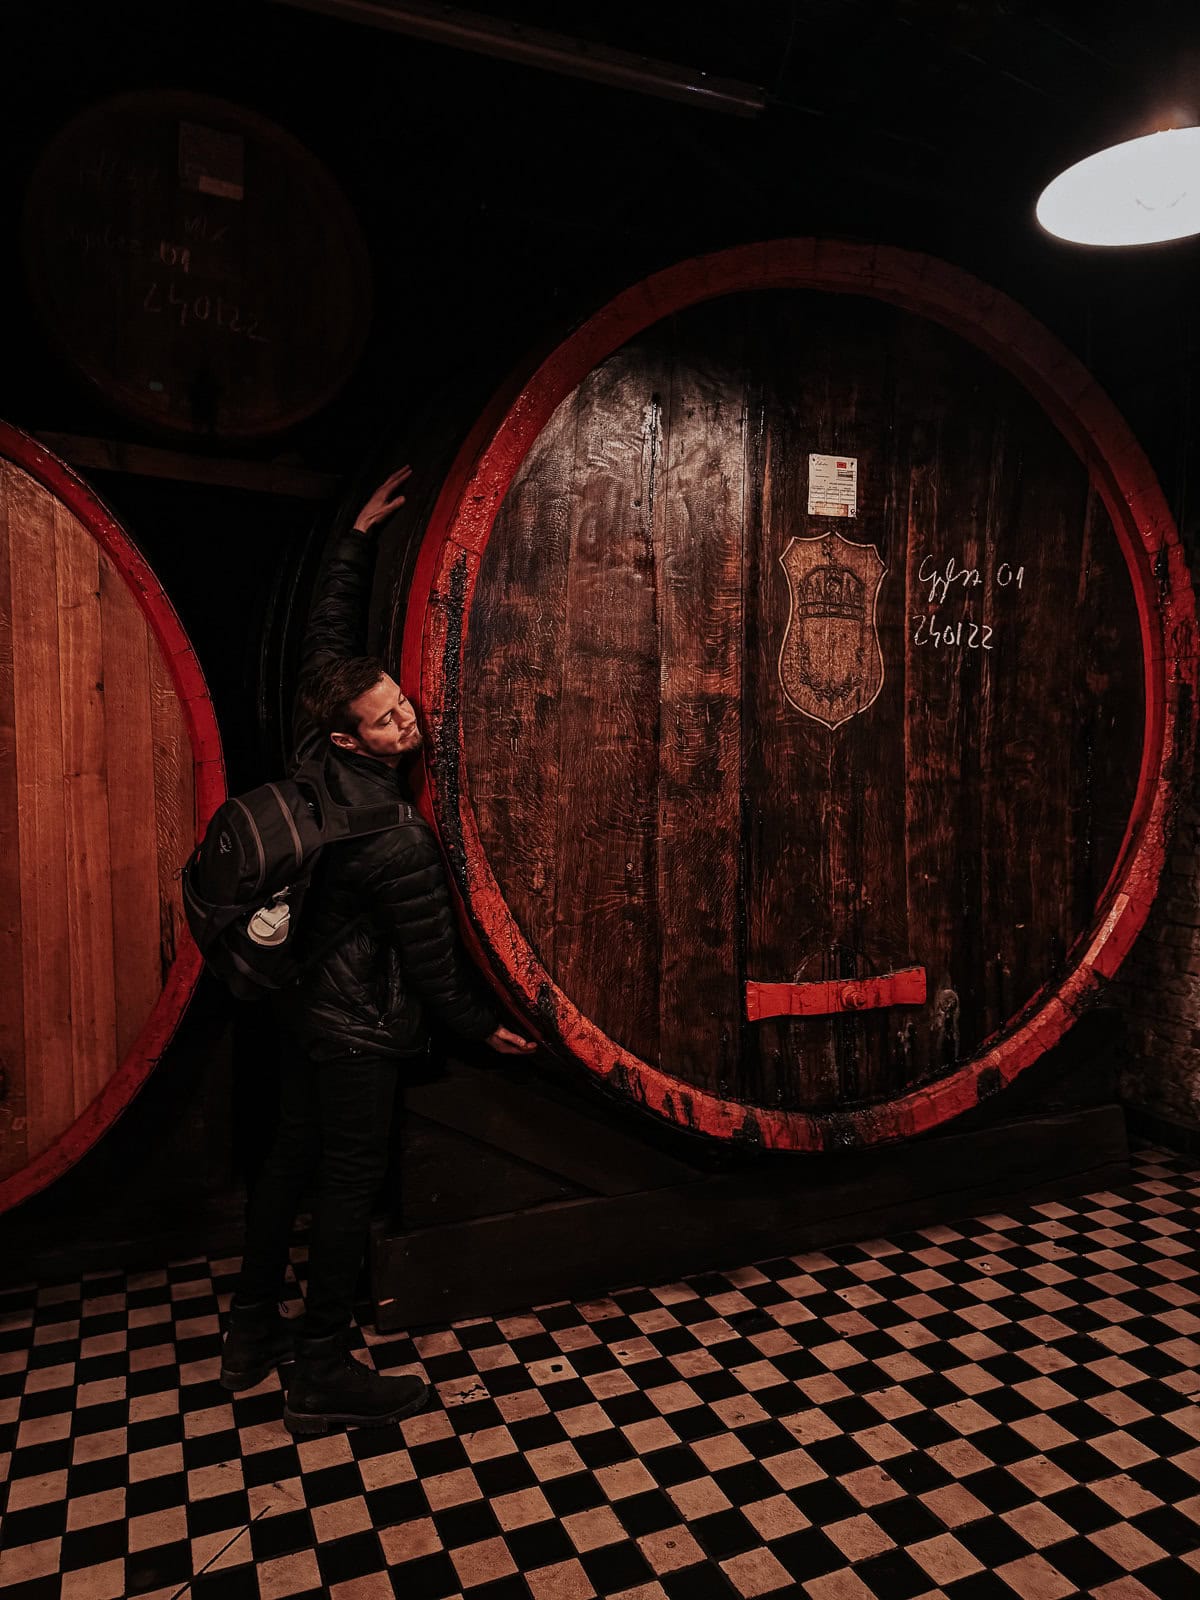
[[1008, 1407]]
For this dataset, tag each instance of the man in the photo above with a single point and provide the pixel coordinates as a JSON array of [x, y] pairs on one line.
[[378, 914]]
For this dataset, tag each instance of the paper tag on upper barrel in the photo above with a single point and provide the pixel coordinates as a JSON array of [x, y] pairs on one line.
[[833, 486], [212, 161]]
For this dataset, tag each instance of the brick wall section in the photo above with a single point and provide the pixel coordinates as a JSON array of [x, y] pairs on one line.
[[1158, 988]]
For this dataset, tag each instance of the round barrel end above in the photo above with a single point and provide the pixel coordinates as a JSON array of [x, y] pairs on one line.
[[197, 265]]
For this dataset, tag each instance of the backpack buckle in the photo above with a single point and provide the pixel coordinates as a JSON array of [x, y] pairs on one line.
[[269, 924]]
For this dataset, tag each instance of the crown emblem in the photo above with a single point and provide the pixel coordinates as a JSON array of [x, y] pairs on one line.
[[831, 591], [830, 661]]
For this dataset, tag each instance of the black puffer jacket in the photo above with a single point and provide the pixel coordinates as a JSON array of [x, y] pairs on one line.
[[368, 994]]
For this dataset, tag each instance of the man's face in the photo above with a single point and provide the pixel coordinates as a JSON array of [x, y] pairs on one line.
[[387, 724]]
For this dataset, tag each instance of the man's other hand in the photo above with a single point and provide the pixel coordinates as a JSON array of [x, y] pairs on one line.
[[509, 1043], [383, 502]]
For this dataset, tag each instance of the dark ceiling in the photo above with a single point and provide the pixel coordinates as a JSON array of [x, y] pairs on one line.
[[501, 204], [501, 201]]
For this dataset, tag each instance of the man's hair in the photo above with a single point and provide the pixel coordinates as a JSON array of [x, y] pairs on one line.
[[326, 692]]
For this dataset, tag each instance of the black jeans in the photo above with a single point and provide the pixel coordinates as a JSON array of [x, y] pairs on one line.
[[334, 1125]]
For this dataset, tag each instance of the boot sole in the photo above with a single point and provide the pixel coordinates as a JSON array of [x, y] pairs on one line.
[[235, 1382], [326, 1421]]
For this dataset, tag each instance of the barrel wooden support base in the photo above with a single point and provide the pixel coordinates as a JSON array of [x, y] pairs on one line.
[[587, 1246], [278, 478], [115, 1240], [1169, 1132]]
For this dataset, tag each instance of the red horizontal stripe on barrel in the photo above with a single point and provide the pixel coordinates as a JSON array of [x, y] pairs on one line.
[[906, 988]]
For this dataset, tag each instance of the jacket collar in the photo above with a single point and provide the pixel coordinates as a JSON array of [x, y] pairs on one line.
[[354, 778]]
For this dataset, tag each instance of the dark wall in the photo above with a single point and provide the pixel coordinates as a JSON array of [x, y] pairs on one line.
[[501, 204]]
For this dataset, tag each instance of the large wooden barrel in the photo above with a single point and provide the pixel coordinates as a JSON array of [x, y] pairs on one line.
[[109, 762], [807, 657], [197, 264]]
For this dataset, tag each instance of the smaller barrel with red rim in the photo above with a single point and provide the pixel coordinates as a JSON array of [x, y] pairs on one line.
[[110, 765]]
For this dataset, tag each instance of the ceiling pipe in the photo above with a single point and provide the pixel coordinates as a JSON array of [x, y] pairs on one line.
[[553, 52]]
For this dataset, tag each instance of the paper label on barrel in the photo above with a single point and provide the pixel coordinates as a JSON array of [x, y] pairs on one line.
[[211, 161], [833, 486]]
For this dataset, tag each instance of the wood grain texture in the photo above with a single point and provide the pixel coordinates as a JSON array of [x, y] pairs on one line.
[[788, 899], [86, 829], [966, 819], [132, 830], [607, 927], [955, 507], [1034, 692], [699, 529], [514, 665], [93, 1003], [13, 1119], [45, 867], [174, 805], [824, 837]]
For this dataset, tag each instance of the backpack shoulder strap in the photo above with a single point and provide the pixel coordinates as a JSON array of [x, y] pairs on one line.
[[355, 822], [340, 822]]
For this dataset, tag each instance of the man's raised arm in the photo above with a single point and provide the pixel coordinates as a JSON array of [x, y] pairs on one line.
[[337, 622]]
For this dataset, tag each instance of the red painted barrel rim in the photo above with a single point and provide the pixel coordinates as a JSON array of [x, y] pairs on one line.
[[209, 769], [439, 615]]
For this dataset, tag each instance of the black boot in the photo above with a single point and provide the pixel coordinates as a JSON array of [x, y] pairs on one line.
[[328, 1388], [258, 1337]]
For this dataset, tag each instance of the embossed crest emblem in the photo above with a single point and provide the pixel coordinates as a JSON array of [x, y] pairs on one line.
[[830, 662]]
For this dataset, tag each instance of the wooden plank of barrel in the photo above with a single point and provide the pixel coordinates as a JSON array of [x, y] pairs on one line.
[[808, 661], [109, 763], [197, 264]]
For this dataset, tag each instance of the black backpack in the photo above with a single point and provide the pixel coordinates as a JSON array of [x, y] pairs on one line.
[[244, 884]]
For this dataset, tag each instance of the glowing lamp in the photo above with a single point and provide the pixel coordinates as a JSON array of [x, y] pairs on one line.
[[1140, 192]]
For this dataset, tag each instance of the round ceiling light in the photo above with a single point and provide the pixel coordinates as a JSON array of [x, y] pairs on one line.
[[1140, 192]]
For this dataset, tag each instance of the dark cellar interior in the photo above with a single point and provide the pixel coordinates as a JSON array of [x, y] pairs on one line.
[[502, 204]]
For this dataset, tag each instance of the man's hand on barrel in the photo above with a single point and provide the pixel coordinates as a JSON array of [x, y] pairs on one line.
[[509, 1043], [386, 500]]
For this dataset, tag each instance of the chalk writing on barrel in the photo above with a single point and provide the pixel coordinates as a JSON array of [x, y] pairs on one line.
[[110, 241], [963, 635], [109, 169], [201, 227], [213, 310], [942, 577]]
